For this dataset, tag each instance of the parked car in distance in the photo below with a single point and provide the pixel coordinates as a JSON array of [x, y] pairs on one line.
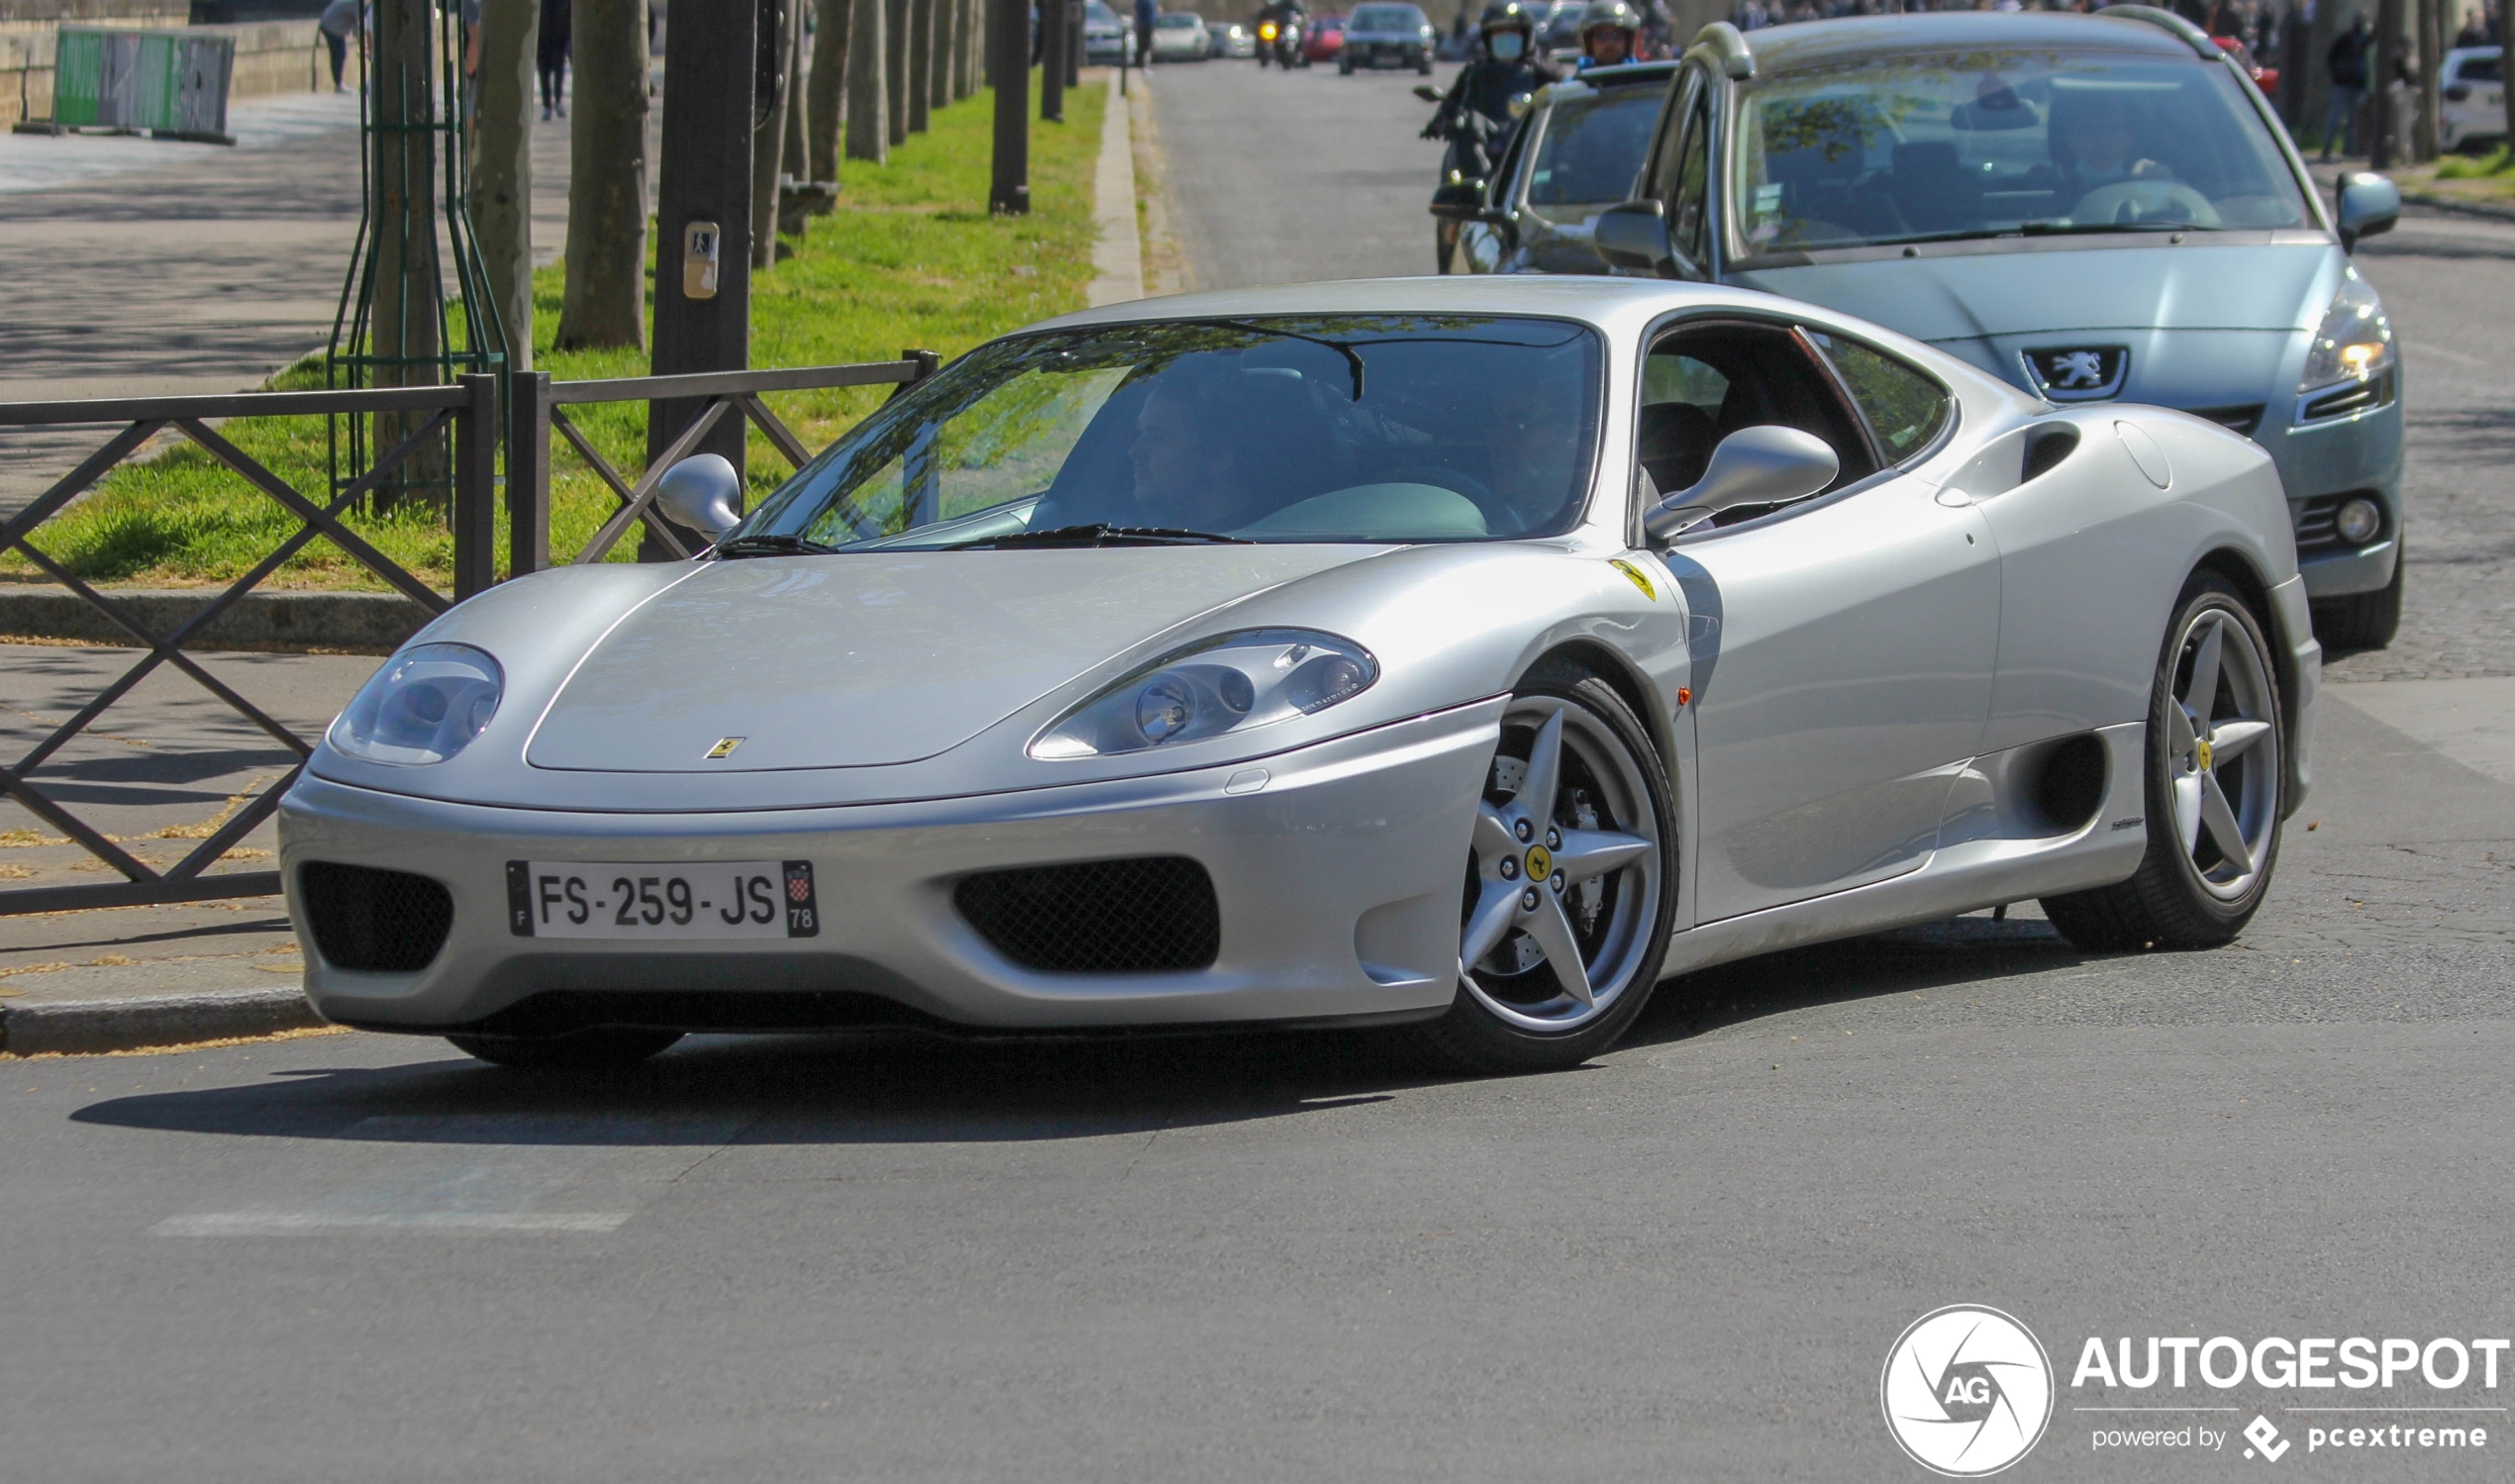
[[1108, 38], [2095, 207], [1573, 154], [1386, 36], [1179, 37], [2473, 110], [1324, 38], [1231, 39]]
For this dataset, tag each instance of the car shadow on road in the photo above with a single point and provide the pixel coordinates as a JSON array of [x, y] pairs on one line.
[[891, 1087]]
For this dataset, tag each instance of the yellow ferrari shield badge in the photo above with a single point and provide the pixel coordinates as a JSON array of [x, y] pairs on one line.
[[724, 746], [1639, 578]]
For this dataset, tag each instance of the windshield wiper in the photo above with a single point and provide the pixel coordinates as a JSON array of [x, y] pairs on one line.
[[2065, 228], [1102, 533], [765, 545]]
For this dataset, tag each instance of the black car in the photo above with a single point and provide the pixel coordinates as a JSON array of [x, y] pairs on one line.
[[1575, 152], [1386, 34]]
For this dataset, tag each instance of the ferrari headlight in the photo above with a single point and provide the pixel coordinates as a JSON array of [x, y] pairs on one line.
[[2355, 342], [426, 705], [1228, 684]]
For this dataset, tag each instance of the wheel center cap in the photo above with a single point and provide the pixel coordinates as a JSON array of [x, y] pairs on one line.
[[2200, 753], [1541, 864]]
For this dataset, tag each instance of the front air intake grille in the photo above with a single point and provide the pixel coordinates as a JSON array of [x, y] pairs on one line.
[[374, 921], [1099, 917], [2234, 419], [2317, 528]]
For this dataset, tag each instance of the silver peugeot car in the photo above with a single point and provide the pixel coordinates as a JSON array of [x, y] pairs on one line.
[[2095, 208]]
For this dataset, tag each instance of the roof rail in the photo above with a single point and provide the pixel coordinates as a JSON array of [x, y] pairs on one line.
[[1729, 44], [2191, 34]]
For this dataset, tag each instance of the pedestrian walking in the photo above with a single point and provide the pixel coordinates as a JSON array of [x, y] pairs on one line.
[[551, 55], [340, 21], [2345, 66], [1148, 15]]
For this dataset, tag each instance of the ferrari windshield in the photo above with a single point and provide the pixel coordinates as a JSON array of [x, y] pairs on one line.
[[1910, 147], [1386, 427]]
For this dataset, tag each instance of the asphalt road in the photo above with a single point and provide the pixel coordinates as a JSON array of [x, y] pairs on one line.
[[1271, 1258]]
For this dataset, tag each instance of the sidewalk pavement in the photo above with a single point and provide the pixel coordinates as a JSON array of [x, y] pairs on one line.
[[142, 268]]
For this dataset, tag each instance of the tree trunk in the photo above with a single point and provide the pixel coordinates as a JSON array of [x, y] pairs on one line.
[[796, 154], [2384, 145], [405, 331], [768, 139], [502, 170], [939, 60], [921, 63], [605, 303], [828, 100], [957, 65], [867, 91], [2423, 127], [895, 70]]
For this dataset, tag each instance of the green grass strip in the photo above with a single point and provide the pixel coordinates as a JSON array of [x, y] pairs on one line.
[[911, 258]]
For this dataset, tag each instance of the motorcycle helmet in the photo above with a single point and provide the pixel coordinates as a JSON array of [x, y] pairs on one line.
[[1608, 15], [1508, 18]]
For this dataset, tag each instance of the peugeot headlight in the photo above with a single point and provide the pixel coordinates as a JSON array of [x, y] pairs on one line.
[[2355, 342], [425, 706], [1226, 684]]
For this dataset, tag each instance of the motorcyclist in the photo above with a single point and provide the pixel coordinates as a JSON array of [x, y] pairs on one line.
[[1507, 66], [1608, 32], [1286, 15]]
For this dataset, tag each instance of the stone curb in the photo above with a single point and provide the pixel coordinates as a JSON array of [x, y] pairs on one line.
[[2460, 206], [283, 621], [124, 1025]]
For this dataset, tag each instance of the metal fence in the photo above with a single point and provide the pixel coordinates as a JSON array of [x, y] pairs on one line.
[[534, 409]]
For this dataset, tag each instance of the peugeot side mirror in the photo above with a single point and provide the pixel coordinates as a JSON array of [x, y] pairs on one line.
[[1459, 200], [2368, 204], [1766, 464], [1635, 235], [703, 493], [1427, 92]]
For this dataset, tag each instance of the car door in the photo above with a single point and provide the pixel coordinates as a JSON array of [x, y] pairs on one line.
[[1487, 244], [1678, 174], [1845, 645]]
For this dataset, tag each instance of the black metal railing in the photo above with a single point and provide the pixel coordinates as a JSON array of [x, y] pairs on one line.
[[534, 409]]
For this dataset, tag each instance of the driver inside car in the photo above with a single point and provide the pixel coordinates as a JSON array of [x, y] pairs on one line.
[[2091, 141]]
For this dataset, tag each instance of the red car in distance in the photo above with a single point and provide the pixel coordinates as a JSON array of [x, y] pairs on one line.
[[1324, 40]]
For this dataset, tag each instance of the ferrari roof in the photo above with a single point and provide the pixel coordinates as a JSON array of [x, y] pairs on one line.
[[1595, 298]]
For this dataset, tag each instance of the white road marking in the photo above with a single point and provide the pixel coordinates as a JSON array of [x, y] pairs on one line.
[[294, 1223]]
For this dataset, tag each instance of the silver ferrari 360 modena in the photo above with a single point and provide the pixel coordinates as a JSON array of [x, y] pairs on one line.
[[1459, 653]]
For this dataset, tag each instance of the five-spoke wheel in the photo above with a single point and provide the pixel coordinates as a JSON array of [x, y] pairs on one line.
[[1570, 887], [2216, 788]]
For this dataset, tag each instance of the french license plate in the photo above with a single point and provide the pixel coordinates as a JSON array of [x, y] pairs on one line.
[[647, 900]]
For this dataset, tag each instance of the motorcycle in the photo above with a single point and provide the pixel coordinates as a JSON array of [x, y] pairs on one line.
[[1475, 145], [1280, 41]]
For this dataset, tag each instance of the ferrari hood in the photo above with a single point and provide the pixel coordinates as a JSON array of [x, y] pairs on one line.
[[1972, 296], [872, 659]]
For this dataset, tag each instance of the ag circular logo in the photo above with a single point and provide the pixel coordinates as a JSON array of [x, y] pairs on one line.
[[1967, 1391]]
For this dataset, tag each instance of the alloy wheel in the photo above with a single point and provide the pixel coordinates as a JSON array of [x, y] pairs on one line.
[[2221, 753], [1564, 875]]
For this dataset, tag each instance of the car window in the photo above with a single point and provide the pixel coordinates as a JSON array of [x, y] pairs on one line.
[[1386, 18], [1688, 211], [2477, 69], [1912, 147], [1591, 153], [1393, 427], [1905, 409], [1701, 383], [1497, 191]]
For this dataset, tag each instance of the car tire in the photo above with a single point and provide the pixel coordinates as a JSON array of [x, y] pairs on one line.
[[1610, 822], [2363, 621], [2191, 891], [601, 1048]]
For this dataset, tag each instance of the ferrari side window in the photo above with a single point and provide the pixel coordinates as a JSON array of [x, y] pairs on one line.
[[1704, 382], [1905, 409]]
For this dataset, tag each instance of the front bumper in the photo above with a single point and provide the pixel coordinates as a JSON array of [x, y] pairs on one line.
[[1338, 868]]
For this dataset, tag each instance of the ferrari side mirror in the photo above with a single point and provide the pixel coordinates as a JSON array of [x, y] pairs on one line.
[[1635, 235], [703, 493], [2367, 204], [1766, 465]]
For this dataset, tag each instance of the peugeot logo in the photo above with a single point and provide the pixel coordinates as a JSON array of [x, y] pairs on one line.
[[2079, 373]]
